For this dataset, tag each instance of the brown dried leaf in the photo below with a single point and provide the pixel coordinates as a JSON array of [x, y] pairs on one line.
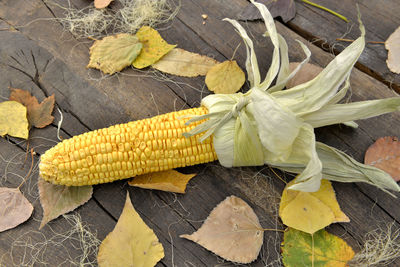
[[384, 154], [286, 9], [392, 44], [183, 63], [225, 78], [101, 3], [170, 181], [59, 199], [39, 115], [306, 73], [15, 208], [232, 231]]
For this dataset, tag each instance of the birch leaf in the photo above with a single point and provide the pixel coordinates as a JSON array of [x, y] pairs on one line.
[[101, 3], [13, 119], [39, 115], [232, 231], [392, 44], [183, 63], [225, 78], [131, 243], [170, 181], [114, 53], [59, 199], [310, 212], [384, 155], [15, 208], [154, 47], [308, 72], [322, 249]]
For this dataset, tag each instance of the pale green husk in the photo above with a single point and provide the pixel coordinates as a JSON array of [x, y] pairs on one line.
[[269, 125]]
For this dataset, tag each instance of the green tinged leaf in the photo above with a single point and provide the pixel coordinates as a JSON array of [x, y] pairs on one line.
[[59, 199], [320, 250], [114, 53]]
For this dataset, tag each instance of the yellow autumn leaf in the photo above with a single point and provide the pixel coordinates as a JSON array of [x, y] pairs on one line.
[[114, 53], [170, 181], [154, 47], [13, 119], [184, 63], [225, 78], [232, 231], [310, 211], [320, 249], [131, 243]]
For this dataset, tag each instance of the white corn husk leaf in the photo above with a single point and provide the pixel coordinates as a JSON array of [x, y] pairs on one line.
[[276, 127]]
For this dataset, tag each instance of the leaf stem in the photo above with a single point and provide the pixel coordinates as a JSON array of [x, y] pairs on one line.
[[326, 9], [350, 40], [30, 170]]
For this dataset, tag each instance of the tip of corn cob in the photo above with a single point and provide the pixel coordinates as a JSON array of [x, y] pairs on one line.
[[126, 150]]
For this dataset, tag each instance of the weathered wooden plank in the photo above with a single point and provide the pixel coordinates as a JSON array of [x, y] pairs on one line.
[[380, 18], [171, 216], [16, 245]]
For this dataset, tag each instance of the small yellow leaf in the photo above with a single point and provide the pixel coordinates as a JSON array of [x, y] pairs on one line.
[[183, 63], [131, 243], [322, 249], [113, 53], [154, 47], [310, 212], [232, 231], [170, 181], [13, 120], [225, 78]]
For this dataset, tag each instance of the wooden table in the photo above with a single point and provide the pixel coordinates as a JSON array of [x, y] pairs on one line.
[[37, 55]]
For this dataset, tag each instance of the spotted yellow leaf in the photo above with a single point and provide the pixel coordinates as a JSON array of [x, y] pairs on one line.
[[154, 47], [225, 78], [131, 243], [310, 211], [170, 181], [13, 119], [321, 249], [114, 53]]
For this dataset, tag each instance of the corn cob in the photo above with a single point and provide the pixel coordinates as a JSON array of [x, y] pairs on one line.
[[126, 150]]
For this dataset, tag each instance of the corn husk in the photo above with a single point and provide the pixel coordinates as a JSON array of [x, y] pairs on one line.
[[269, 125]]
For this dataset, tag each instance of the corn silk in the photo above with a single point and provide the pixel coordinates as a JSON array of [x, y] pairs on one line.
[[269, 125]]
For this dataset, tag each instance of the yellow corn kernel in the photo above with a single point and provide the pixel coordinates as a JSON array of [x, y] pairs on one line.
[[126, 150]]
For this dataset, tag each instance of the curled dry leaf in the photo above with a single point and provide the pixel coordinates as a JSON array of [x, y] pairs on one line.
[[154, 47], [183, 63], [225, 78], [59, 199], [232, 231], [13, 120], [39, 115], [321, 249], [310, 212], [392, 44], [101, 3], [15, 208], [170, 181], [308, 72], [286, 9], [114, 53], [131, 243], [384, 154]]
